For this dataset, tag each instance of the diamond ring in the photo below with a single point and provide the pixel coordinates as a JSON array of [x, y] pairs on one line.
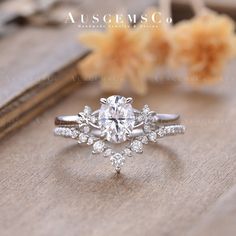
[[117, 122]]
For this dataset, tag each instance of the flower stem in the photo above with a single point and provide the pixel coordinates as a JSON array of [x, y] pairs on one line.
[[165, 8], [198, 6]]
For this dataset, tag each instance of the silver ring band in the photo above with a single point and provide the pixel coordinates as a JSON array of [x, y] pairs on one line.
[[73, 120]]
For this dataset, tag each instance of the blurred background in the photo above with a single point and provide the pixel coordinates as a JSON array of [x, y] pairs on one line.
[[37, 41], [47, 188]]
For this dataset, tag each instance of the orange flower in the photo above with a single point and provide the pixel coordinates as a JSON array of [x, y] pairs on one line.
[[204, 45], [159, 43], [118, 54]]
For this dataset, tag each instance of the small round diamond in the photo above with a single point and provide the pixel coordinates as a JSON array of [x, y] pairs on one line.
[[127, 152], [117, 160], [93, 119], [144, 140], [139, 118], [90, 141], [146, 109], [87, 110], [137, 146], [98, 146], [86, 129], [108, 152], [83, 138], [74, 133], [161, 132], [147, 128], [152, 136]]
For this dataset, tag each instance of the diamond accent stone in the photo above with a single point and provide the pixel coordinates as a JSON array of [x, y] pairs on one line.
[[152, 136], [116, 119], [66, 132], [93, 119], [127, 152], [144, 140], [90, 141], [139, 118], [87, 110], [74, 133], [108, 152], [147, 128], [161, 132], [117, 160], [136, 146], [146, 109], [98, 146], [83, 138], [86, 129]]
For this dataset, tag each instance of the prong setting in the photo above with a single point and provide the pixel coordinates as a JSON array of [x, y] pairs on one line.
[[103, 100], [129, 100]]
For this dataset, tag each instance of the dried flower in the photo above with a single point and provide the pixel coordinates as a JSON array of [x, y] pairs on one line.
[[159, 43], [204, 45], [118, 54]]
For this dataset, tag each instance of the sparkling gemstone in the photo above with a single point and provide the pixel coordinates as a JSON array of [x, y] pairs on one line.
[[146, 109], [137, 146], [161, 132], [128, 152], [147, 128], [74, 133], [117, 160], [93, 119], [107, 152], [90, 141], [87, 110], [116, 119], [140, 118], [98, 146], [64, 131], [144, 140], [86, 129], [152, 136], [83, 138]]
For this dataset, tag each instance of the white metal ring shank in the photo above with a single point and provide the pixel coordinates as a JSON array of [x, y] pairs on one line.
[[74, 119]]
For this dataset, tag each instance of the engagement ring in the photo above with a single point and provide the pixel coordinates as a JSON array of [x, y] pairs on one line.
[[117, 123]]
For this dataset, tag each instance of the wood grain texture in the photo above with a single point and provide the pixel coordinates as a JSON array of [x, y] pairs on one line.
[[221, 219], [45, 50], [31, 61], [51, 186], [36, 64]]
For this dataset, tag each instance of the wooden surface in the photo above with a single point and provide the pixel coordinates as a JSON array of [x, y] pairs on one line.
[[37, 67], [183, 186], [46, 50], [36, 56], [50, 186]]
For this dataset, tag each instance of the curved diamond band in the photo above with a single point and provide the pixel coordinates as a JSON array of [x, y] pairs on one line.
[[117, 122]]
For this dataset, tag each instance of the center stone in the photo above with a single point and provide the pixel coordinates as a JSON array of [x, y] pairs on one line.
[[116, 119]]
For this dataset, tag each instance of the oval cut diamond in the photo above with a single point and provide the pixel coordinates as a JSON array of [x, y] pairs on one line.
[[116, 119]]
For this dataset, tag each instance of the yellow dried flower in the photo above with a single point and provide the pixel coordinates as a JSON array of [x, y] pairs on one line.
[[204, 45], [159, 43], [118, 54]]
